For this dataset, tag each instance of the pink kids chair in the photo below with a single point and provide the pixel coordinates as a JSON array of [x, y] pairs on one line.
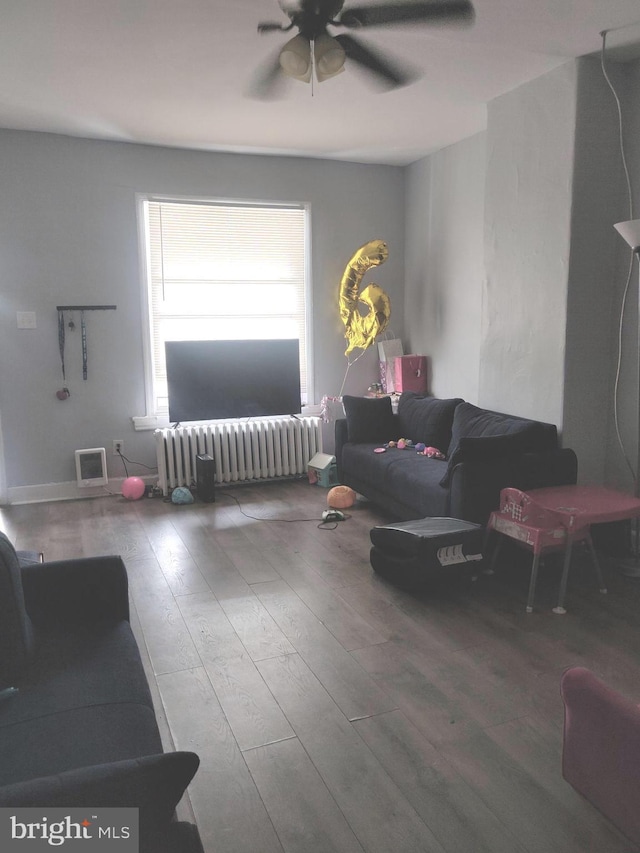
[[542, 530]]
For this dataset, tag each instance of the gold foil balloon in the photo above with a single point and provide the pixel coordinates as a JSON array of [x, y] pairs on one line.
[[362, 330]]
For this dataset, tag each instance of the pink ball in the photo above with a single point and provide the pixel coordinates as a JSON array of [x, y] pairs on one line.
[[133, 488]]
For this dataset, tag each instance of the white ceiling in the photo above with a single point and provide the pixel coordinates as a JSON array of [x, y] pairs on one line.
[[176, 72]]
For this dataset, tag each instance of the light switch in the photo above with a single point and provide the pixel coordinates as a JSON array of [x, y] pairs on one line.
[[26, 319]]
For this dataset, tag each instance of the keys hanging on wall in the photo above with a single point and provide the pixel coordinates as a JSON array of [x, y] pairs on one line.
[[83, 327], [64, 392]]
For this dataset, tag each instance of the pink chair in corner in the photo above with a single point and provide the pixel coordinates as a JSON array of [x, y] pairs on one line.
[[601, 748]]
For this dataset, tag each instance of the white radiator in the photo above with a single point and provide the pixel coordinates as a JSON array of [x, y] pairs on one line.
[[242, 450]]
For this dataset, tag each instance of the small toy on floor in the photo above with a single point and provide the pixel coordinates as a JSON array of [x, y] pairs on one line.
[[333, 515]]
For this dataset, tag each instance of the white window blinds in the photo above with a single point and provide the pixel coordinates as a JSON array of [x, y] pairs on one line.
[[224, 271]]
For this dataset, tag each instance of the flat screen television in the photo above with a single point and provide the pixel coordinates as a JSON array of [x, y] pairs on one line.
[[208, 380]]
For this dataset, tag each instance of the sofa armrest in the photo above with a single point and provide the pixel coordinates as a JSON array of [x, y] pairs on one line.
[[154, 784], [551, 468], [75, 592], [387, 431], [475, 486]]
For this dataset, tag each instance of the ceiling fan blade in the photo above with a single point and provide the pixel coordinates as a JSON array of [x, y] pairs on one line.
[[269, 27], [268, 81], [388, 72], [429, 12]]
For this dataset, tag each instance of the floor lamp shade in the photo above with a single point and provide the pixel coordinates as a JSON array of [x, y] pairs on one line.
[[630, 232]]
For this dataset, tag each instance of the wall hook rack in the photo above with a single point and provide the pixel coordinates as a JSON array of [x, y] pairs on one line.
[[61, 331], [86, 307]]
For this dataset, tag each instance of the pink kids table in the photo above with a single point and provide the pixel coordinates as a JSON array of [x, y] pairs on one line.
[[556, 517]]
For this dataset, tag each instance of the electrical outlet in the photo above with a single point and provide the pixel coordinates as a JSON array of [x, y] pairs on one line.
[[118, 446]]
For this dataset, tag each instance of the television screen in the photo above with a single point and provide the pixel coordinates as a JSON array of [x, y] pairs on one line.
[[208, 380]]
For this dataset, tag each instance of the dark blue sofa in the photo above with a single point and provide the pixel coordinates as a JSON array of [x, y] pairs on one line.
[[77, 724], [484, 452]]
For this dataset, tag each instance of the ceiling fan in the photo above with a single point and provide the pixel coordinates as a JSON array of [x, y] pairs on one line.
[[313, 47]]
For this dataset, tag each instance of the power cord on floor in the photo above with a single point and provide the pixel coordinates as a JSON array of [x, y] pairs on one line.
[[329, 523]]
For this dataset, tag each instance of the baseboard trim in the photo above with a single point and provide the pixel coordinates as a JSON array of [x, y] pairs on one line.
[[69, 491]]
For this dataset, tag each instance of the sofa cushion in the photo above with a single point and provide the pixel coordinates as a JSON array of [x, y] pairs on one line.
[[370, 419], [79, 737], [486, 448], [472, 422], [397, 477], [89, 667], [415, 479], [426, 419], [83, 699], [16, 633]]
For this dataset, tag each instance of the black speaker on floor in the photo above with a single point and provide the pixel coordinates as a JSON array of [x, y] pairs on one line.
[[205, 477]]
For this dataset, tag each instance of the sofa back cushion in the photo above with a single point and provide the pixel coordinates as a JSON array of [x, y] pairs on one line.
[[472, 422], [370, 420], [16, 634], [426, 419], [487, 448], [479, 435]]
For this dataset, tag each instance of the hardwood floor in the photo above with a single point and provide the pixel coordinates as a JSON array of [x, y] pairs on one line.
[[333, 711]]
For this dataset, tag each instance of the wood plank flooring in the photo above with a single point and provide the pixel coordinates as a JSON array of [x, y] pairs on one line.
[[333, 711]]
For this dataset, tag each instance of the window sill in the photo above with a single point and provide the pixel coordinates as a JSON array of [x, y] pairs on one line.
[[151, 422]]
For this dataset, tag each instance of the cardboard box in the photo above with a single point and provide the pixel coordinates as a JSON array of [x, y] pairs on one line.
[[322, 469]]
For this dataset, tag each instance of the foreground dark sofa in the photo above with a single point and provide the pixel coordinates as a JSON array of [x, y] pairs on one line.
[[484, 452], [77, 725]]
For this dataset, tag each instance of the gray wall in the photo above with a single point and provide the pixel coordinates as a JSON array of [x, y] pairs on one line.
[[68, 235], [597, 202], [445, 265], [488, 245], [530, 143], [513, 275]]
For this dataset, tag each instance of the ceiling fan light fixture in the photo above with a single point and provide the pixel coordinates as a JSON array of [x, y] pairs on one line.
[[329, 57], [295, 58], [315, 48]]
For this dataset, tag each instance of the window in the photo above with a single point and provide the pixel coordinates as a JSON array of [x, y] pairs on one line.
[[221, 271]]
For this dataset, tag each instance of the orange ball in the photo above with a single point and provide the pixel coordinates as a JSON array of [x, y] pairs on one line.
[[341, 497]]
